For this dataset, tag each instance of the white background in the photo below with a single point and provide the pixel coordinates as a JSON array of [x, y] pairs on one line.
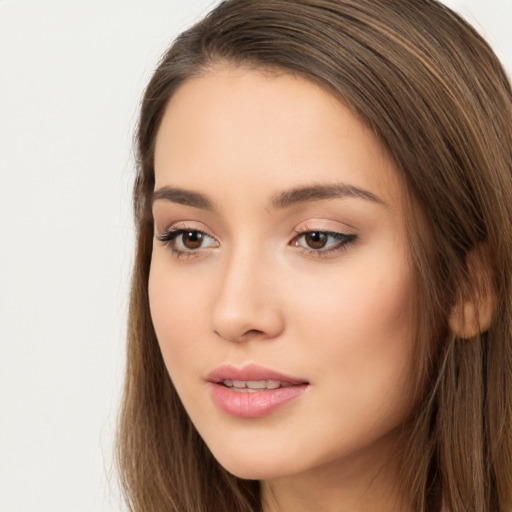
[[71, 76]]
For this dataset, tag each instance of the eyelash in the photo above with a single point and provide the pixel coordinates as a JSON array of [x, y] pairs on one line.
[[344, 240], [170, 235]]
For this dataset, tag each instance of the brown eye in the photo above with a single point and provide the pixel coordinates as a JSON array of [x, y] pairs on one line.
[[187, 241], [315, 239], [323, 242], [192, 239]]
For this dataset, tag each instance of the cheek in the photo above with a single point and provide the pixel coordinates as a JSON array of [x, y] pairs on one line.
[[356, 301], [176, 308], [360, 330]]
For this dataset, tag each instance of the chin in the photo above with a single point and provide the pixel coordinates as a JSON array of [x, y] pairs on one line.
[[251, 472], [253, 466]]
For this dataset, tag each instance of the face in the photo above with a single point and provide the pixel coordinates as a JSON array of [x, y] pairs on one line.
[[280, 288]]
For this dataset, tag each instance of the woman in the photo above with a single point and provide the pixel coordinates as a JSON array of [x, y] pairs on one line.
[[321, 304]]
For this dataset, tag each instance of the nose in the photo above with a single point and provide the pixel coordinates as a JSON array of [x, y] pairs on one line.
[[247, 305]]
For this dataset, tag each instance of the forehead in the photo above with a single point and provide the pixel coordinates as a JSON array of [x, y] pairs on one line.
[[235, 124]]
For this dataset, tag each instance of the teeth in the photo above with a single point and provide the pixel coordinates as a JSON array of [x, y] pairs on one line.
[[255, 384]]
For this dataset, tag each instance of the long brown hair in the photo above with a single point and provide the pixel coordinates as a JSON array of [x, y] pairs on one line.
[[439, 101]]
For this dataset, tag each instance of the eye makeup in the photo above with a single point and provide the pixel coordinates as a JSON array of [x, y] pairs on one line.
[[186, 240], [322, 243]]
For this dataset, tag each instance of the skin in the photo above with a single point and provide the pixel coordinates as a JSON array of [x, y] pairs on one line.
[[254, 292]]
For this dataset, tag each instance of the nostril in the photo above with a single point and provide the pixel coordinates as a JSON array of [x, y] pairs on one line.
[[245, 336], [245, 322], [253, 332]]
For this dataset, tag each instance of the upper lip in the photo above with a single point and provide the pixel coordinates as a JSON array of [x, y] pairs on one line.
[[250, 372]]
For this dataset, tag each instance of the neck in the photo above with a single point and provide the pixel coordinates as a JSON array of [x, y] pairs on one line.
[[355, 484]]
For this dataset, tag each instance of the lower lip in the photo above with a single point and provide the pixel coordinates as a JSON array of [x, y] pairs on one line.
[[253, 405]]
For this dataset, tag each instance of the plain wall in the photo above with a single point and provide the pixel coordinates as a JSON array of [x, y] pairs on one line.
[[71, 76]]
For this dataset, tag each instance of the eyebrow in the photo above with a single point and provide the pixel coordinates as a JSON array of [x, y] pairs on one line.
[[182, 196], [318, 192], [280, 200]]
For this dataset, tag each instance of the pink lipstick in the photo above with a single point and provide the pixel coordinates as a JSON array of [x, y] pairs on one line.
[[252, 391]]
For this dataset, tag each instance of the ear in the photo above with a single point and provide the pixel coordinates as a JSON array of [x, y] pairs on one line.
[[474, 311]]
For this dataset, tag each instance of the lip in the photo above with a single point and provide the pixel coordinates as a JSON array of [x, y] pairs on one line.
[[256, 404], [250, 372]]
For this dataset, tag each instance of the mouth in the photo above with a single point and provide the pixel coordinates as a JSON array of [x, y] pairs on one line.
[[253, 386], [252, 391], [252, 377]]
